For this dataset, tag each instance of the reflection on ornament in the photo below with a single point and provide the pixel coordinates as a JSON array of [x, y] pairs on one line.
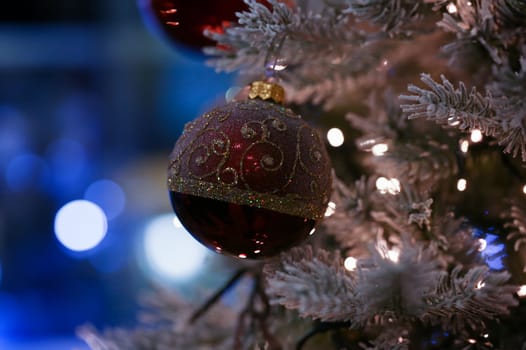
[[250, 178]]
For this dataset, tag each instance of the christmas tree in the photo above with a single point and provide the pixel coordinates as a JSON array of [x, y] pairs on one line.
[[422, 242]]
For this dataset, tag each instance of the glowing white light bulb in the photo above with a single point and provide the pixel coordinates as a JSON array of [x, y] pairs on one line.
[[379, 149], [170, 250], [108, 195], [524, 189], [451, 8], [476, 135], [464, 146], [391, 186], [393, 254], [483, 244], [335, 137], [381, 184], [461, 185], [522, 291], [331, 208], [80, 225], [350, 263], [453, 121], [480, 285], [394, 186]]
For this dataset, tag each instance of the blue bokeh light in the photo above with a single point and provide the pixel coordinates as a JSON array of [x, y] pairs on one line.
[[14, 138], [69, 166], [111, 256], [108, 195], [171, 252], [25, 172], [494, 251], [80, 225]]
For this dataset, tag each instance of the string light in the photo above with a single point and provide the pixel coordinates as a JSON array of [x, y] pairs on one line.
[[171, 252], [391, 186], [453, 121], [331, 208], [393, 254], [480, 285], [451, 8], [335, 137], [464, 146], [461, 185], [483, 244], [522, 291], [80, 225], [379, 149], [476, 135], [350, 263]]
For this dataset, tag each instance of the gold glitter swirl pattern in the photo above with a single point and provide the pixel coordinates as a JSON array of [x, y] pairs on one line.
[[253, 153]]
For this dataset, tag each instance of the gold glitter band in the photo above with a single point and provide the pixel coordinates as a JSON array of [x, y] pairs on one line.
[[267, 91], [288, 204]]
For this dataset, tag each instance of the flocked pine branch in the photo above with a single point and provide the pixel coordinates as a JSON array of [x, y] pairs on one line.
[[423, 165], [337, 56], [450, 106], [466, 300], [391, 15], [473, 23], [350, 223], [454, 237], [314, 284], [509, 89], [365, 210], [167, 326], [285, 31], [395, 284], [380, 287], [501, 116], [516, 223], [421, 162]]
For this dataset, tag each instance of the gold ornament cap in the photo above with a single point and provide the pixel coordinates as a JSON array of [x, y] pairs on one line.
[[267, 91]]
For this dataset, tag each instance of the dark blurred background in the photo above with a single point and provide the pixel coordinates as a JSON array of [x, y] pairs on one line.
[[91, 103]]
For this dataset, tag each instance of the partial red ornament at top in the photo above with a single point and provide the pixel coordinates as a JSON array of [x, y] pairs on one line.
[[182, 22]]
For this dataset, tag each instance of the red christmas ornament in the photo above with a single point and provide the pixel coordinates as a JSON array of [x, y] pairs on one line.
[[183, 22], [250, 178]]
